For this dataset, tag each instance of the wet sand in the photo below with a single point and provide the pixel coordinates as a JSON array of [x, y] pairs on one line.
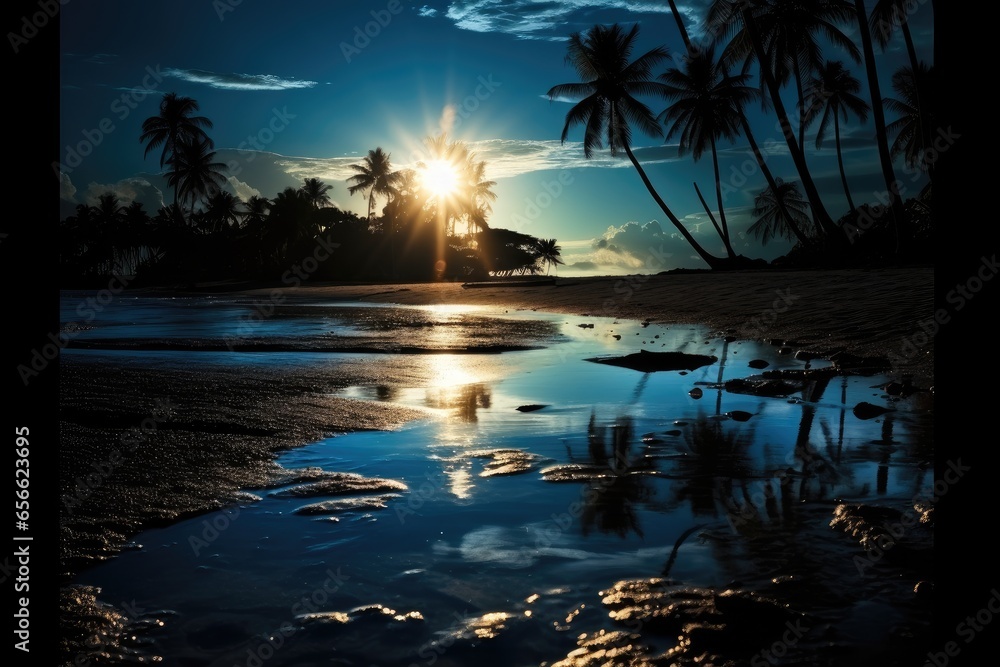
[[868, 312], [211, 432]]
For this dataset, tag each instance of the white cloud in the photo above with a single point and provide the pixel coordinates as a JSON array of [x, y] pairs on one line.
[[241, 189], [427, 11], [531, 19], [237, 81], [67, 190]]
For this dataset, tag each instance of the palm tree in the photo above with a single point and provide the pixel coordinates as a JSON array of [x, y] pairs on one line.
[[911, 122], [771, 209], [836, 87], [175, 125], [549, 253], [476, 192], [375, 175], [693, 51], [707, 108], [790, 29], [193, 171], [741, 19], [316, 191], [885, 16], [609, 107], [223, 210], [878, 115]]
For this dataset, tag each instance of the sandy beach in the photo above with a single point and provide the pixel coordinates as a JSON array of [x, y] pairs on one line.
[[865, 311], [215, 430]]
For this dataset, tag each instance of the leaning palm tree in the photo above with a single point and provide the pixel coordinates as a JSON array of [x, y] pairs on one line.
[[609, 105], [174, 126], [707, 107], [316, 191], [836, 87], [771, 209], [741, 20], [549, 253], [911, 123], [194, 172], [374, 175], [692, 52]]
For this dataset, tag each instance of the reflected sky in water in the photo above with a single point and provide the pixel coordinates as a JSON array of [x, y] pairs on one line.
[[620, 474]]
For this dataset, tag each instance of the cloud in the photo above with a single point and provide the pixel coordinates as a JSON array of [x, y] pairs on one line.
[[237, 81], [530, 19], [241, 189], [127, 190], [427, 11], [67, 190]]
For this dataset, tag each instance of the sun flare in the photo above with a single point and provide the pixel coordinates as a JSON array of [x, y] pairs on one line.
[[439, 178]]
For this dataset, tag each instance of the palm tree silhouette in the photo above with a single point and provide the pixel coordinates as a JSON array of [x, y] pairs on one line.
[[174, 126], [885, 16], [772, 207], [911, 122], [707, 108], [609, 106], [194, 172], [836, 87], [878, 115], [223, 210], [693, 51], [549, 253], [316, 191], [476, 193], [375, 175], [742, 20]]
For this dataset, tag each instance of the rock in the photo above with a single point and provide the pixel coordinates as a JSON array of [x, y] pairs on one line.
[[585, 326], [616, 336], [760, 386], [739, 415], [649, 362], [758, 364], [784, 350], [530, 408], [696, 393], [673, 431], [729, 339], [864, 410]]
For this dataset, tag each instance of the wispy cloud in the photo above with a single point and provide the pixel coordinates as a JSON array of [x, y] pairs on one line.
[[427, 11], [531, 19], [237, 81]]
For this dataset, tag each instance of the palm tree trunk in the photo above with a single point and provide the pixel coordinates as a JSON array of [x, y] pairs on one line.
[[680, 25], [708, 211], [718, 196], [762, 162], [371, 202], [712, 261], [802, 109], [878, 115], [840, 161], [812, 193]]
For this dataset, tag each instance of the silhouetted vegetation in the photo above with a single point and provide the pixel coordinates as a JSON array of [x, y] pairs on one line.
[[781, 42], [209, 234]]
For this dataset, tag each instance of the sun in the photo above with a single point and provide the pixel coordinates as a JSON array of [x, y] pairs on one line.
[[439, 178]]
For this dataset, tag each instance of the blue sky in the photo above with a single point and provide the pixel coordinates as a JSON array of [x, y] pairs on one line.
[[299, 90]]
